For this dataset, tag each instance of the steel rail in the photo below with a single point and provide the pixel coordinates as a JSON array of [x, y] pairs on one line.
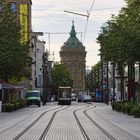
[[33, 123], [85, 135], [104, 131], [99, 127], [124, 131], [42, 137], [5, 130]]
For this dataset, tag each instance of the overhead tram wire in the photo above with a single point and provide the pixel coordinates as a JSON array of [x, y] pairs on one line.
[[100, 9], [77, 14], [88, 19], [88, 15]]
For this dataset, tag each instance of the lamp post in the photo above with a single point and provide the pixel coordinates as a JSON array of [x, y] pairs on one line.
[[45, 65]]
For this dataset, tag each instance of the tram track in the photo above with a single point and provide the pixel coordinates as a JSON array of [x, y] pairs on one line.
[[33, 123], [63, 124], [83, 119], [123, 130], [5, 130], [131, 136], [12, 126], [98, 126], [82, 130], [43, 135]]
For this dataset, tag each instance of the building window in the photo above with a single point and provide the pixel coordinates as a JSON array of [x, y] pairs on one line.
[[13, 7]]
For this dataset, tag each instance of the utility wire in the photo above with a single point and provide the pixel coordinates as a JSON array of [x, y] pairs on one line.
[[100, 9], [91, 7], [88, 19]]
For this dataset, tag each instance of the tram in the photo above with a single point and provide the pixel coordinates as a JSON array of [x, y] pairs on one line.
[[64, 95]]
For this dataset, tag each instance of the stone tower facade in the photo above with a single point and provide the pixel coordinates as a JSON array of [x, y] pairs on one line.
[[73, 55]]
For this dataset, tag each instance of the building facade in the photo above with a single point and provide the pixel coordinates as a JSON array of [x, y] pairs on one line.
[[73, 55], [22, 8], [37, 51], [137, 82]]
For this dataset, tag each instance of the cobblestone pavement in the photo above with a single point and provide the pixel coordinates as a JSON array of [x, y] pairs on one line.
[[92, 131], [13, 123], [64, 125], [123, 121]]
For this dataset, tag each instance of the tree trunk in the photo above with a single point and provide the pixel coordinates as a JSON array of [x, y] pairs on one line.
[[121, 73], [131, 82], [113, 74]]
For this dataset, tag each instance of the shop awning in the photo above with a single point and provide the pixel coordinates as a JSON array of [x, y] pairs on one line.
[[6, 86]]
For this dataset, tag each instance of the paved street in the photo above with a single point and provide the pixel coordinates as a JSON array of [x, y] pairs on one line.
[[78, 121]]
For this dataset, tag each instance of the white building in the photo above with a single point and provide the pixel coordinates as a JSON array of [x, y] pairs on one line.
[[38, 49], [117, 83]]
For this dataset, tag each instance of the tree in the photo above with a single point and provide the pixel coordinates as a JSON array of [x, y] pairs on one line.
[[13, 54], [122, 39], [60, 77], [120, 44]]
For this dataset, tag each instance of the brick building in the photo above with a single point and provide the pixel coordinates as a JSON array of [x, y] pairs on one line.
[[73, 55]]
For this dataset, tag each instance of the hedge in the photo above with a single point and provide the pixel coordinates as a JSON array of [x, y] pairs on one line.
[[127, 107]]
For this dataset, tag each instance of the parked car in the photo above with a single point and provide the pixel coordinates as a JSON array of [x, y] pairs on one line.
[[86, 98]]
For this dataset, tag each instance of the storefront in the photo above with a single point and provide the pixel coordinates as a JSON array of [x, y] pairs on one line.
[[6, 90]]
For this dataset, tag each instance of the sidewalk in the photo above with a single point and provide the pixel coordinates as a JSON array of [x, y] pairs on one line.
[[125, 122]]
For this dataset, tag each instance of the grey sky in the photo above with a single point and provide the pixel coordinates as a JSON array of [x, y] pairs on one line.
[[49, 16]]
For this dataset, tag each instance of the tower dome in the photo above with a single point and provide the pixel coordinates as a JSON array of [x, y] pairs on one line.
[[73, 41]]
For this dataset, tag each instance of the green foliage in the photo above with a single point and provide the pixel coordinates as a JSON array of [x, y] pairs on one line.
[[136, 111], [129, 108], [118, 107], [89, 82], [8, 107], [13, 54], [121, 39], [13, 105], [113, 105], [94, 76], [60, 76]]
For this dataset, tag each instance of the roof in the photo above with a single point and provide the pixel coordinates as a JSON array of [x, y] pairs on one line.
[[5, 85], [73, 41]]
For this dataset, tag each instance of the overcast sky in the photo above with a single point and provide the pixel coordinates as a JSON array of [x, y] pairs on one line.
[[49, 16]]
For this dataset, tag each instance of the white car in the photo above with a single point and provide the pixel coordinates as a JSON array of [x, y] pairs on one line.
[[86, 98]]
